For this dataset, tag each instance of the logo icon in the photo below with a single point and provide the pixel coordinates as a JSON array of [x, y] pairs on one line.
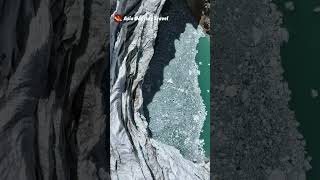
[[118, 18]]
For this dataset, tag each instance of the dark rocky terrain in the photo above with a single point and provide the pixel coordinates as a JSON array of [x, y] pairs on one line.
[[200, 9], [254, 133], [54, 57]]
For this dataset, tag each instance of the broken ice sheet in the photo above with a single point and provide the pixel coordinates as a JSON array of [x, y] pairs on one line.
[[177, 112]]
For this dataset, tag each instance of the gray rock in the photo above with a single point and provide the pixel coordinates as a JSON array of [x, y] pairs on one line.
[[277, 175]]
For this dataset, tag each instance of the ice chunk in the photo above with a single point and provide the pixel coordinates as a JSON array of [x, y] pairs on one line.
[[289, 5], [316, 9], [314, 93]]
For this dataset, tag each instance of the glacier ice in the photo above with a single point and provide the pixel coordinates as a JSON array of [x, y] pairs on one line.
[[177, 111]]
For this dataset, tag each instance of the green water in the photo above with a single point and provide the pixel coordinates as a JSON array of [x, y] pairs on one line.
[[203, 61], [301, 62]]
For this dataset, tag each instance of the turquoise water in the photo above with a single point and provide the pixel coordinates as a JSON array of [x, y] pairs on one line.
[[301, 62], [203, 61]]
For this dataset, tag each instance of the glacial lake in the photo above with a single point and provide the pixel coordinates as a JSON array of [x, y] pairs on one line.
[[203, 61]]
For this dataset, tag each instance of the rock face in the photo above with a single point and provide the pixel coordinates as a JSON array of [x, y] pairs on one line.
[[201, 10], [53, 66], [254, 132]]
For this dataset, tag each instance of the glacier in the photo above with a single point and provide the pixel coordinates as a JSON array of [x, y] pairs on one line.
[[134, 154], [177, 111]]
